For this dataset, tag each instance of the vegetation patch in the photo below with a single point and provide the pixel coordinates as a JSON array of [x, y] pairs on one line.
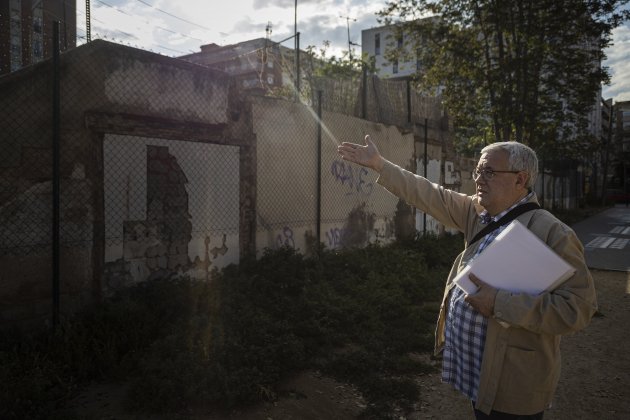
[[184, 345]]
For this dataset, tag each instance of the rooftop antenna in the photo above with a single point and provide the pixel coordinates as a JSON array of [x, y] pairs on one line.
[[350, 43], [268, 29]]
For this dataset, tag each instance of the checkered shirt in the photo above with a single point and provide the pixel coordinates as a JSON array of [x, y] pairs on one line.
[[465, 331]]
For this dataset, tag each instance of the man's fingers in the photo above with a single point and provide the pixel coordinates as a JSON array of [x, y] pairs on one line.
[[474, 279], [367, 140]]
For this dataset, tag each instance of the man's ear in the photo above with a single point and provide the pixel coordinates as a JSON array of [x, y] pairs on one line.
[[522, 178]]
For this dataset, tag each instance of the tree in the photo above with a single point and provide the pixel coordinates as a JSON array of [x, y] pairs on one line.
[[525, 70], [339, 78], [347, 66]]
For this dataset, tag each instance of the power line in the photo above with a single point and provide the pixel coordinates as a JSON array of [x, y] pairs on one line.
[[178, 33], [149, 23], [176, 17], [113, 7], [169, 30], [115, 31]]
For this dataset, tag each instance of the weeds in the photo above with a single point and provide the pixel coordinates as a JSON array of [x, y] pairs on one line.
[[355, 314]]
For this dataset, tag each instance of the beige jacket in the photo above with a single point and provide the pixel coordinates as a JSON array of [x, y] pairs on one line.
[[521, 359]]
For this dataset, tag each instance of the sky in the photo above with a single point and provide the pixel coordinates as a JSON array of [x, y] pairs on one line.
[[176, 28]]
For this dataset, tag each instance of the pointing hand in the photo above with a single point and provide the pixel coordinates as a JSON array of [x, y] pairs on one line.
[[365, 155]]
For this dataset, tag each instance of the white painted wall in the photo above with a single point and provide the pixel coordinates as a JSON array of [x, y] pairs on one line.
[[212, 172], [433, 175]]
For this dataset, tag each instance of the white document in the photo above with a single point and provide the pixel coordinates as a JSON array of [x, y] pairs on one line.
[[517, 260]]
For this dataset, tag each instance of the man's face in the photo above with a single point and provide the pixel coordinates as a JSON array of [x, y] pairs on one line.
[[504, 189]]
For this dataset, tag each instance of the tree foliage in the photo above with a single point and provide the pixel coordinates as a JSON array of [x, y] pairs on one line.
[[347, 65], [525, 70]]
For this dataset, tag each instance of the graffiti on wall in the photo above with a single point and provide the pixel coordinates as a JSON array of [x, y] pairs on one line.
[[334, 237], [384, 230], [354, 177], [285, 238]]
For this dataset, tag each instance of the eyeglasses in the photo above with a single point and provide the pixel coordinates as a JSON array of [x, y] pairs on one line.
[[488, 174]]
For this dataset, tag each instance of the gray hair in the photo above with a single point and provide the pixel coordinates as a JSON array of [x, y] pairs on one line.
[[520, 158]]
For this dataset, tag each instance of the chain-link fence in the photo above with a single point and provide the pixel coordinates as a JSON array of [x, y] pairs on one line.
[[149, 182], [170, 168]]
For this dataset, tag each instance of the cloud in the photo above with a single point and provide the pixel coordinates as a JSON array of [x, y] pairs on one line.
[[320, 28], [133, 22], [248, 26], [116, 3], [261, 4]]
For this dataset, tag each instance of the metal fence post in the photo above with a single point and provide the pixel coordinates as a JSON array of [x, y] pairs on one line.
[[319, 166], [542, 173], [426, 163], [297, 67], [364, 94], [55, 175], [408, 101]]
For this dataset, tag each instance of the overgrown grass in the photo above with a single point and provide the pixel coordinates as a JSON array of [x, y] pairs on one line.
[[184, 344]]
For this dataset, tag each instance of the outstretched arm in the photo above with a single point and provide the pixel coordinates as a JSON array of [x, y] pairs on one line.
[[451, 208], [365, 155]]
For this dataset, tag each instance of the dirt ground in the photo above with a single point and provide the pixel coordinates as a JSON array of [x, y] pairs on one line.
[[595, 381]]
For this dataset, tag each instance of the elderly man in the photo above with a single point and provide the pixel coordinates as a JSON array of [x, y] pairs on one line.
[[500, 349]]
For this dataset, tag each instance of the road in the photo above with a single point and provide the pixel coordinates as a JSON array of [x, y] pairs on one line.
[[606, 239]]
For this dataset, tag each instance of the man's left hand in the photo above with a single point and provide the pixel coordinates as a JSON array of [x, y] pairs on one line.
[[483, 299]]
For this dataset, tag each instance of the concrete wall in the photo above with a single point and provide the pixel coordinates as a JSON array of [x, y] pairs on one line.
[[360, 211], [354, 211], [167, 170]]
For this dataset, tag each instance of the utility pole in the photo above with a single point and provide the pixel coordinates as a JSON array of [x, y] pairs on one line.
[[297, 67], [350, 43], [88, 24]]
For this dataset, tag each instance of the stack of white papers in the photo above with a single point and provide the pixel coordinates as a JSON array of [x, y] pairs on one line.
[[518, 261]]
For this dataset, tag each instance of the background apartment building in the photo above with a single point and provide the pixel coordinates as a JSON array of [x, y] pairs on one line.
[[376, 42], [619, 154], [26, 30], [257, 64]]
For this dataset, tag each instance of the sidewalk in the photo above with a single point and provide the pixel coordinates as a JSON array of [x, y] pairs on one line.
[[606, 239]]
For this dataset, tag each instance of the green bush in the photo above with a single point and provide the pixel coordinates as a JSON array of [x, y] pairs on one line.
[[355, 314]]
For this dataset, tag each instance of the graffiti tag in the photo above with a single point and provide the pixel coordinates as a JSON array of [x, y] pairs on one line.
[[334, 237], [352, 176], [285, 238]]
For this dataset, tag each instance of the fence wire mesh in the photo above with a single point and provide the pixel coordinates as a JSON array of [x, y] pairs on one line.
[[132, 181], [26, 156], [168, 166], [172, 167]]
